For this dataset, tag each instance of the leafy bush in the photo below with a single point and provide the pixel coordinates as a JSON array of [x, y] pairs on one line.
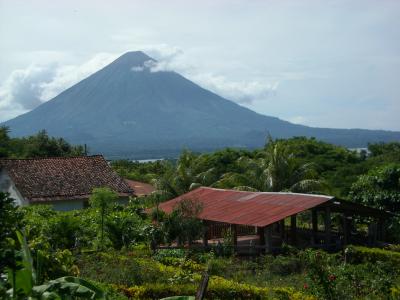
[[63, 231], [320, 276], [124, 229], [182, 223], [218, 288], [372, 280], [114, 268], [395, 292], [358, 254], [173, 253], [329, 277], [395, 248], [157, 290], [284, 265], [10, 217]]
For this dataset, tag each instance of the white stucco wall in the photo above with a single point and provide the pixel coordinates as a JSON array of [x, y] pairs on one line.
[[65, 205], [8, 186]]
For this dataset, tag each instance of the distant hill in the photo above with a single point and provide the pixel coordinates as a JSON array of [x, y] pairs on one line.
[[126, 110]]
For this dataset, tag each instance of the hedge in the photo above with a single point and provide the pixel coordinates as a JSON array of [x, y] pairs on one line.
[[218, 288], [358, 254], [395, 292]]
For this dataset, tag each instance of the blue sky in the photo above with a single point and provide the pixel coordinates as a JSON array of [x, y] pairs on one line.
[[318, 63]]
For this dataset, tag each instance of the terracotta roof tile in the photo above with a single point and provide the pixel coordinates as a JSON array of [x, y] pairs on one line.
[[50, 179]]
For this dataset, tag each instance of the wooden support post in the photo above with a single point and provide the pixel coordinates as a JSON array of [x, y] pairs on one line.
[[261, 236], [205, 233], [314, 221], [282, 230], [201, 291], [293, 230], [381, 230], [346, 229], [268, 238], [234, 232], [372, 230], [328, 228]]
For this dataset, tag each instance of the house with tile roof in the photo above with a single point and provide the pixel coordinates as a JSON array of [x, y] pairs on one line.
[[64, 182]]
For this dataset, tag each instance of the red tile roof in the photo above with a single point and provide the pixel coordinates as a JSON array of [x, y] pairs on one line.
[[140, 188], [247, 208], [63, 178]]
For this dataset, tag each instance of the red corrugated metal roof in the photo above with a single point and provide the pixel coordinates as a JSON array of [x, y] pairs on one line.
[[247, 208]]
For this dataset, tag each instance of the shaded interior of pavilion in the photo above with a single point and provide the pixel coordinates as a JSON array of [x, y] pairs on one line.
[[329, 226]]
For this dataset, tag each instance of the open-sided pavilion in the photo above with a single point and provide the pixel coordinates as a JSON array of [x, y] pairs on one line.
[[273, 218]]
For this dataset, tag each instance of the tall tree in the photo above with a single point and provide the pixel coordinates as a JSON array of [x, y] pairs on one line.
[[4, 142], [379, 188], [102, 199]]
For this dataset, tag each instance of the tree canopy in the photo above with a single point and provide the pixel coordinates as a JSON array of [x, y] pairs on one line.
[[39, 145]]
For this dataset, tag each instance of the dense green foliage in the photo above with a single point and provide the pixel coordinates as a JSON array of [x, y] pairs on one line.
[[39, 145], [320, 166], [10, 217], [113, 247], [10, 223], [379, 188], [306, 274], [102, 199]]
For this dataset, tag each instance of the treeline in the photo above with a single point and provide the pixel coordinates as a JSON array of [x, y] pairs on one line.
[[298, 164], [306, 165], [39, 145]]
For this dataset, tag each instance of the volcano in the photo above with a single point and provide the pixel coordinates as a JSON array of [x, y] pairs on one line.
[[128, 109]]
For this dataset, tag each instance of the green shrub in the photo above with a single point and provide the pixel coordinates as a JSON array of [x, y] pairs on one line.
[[394, 247], [320, 274], [63, 231], [175, 253], [361, 281], [218, 288], [358, 254], [120, 269], [328, 277], [157, 290], [219, 266], [395, 293], [285, 265], [112, 292], [124, 228]]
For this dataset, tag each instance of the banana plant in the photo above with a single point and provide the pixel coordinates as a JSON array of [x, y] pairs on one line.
[[23, 280], [179, 298], [67, 288]]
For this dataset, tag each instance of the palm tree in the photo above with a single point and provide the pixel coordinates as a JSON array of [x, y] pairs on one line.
[[182, 177], [283, 173], [250, 177], [277, 171]]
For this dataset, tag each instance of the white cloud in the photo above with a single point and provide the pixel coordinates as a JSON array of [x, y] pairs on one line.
[[244, 92], [27, 88], [22, 90], [298, 120], [67, 76]]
